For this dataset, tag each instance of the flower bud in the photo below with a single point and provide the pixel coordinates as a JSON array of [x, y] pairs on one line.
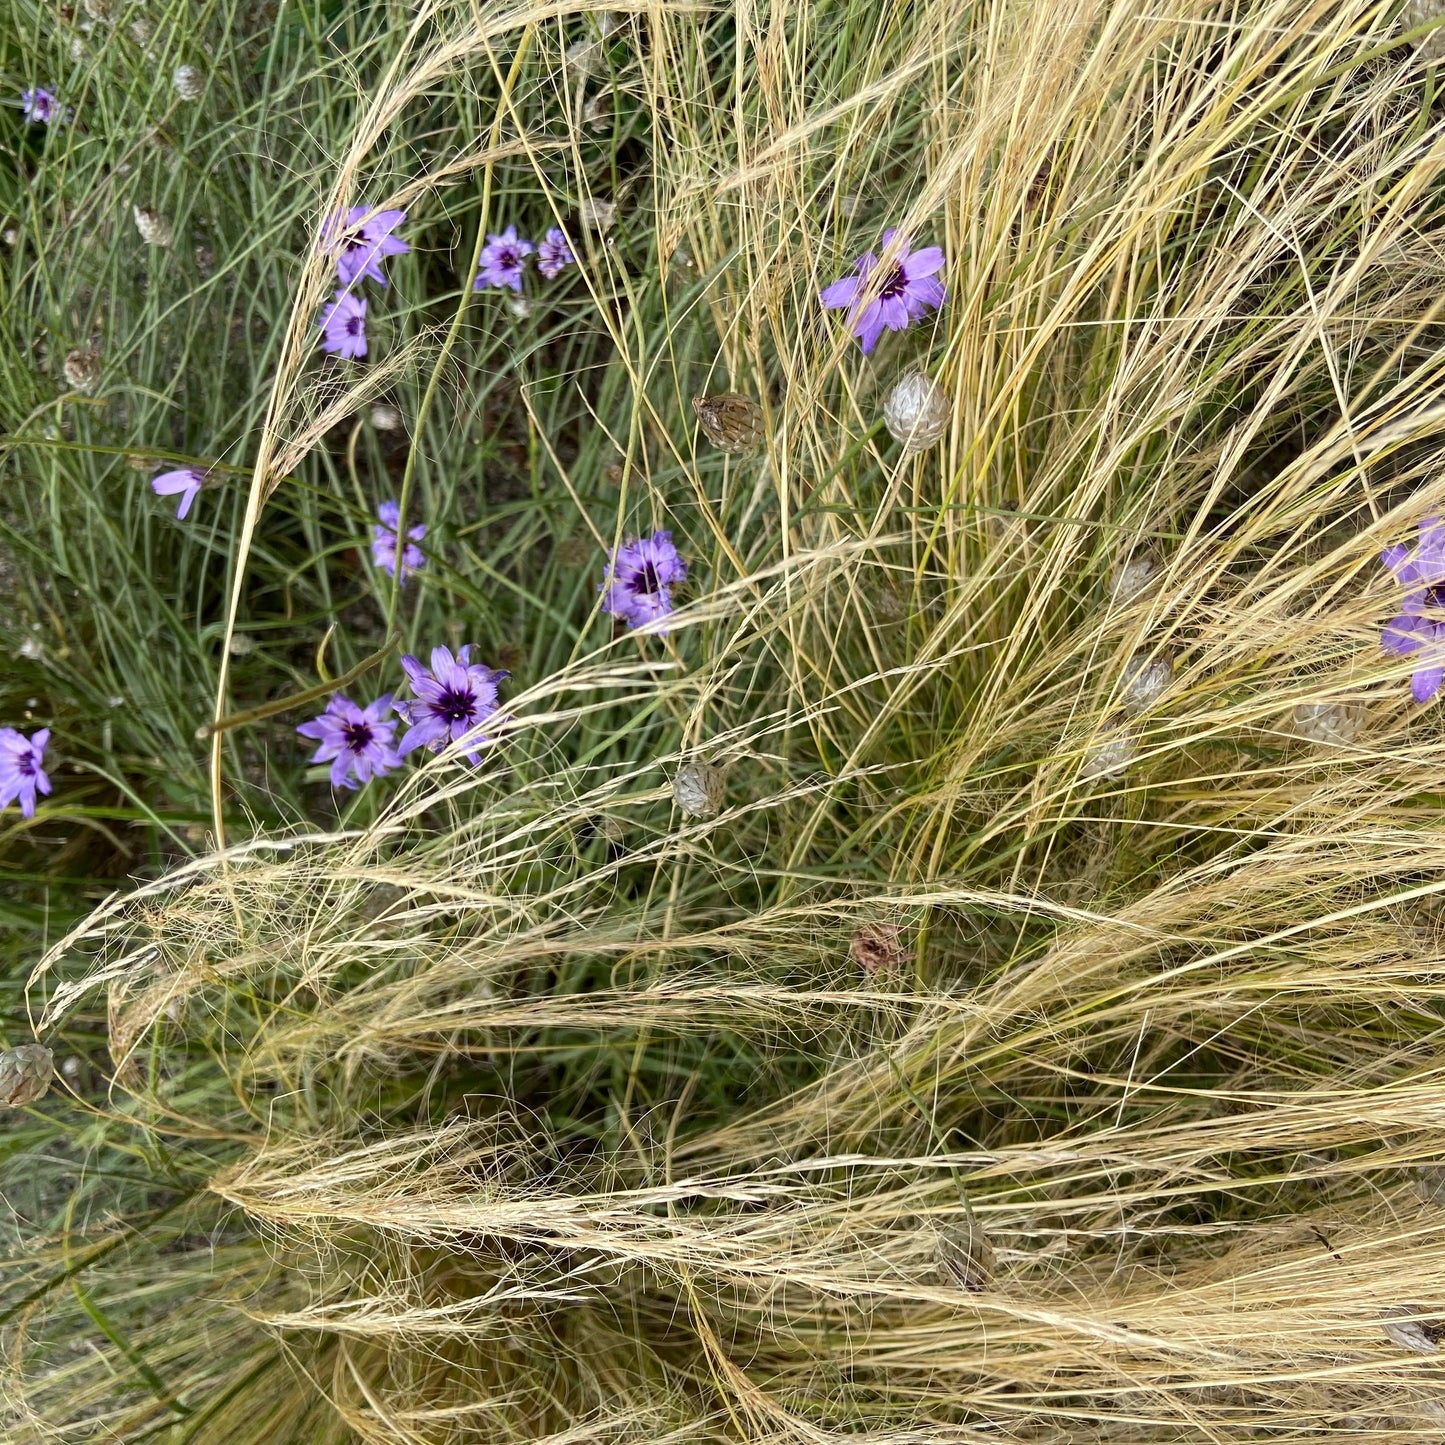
[[965, 1257], [731, 421], [597, 215], [189, 82], [1422, 12], [154, 229], [25, 1075], [916, 412], [698, 789], [1109, 756], [1146, 677], [82, 369], [1403, 1327], [1330, 724], [385, 417], [1133, 576]]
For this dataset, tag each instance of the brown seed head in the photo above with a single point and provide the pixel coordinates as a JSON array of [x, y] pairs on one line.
[[154, 229], [731, 421]]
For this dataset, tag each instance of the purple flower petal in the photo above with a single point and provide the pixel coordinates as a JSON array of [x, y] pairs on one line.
[[1426, 683]]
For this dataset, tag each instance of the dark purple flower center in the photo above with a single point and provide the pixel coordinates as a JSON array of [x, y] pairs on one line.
[[647, 581], [895, 285], [507, 259], [1435, 595], [456, 706], [353, 325], [358, 735], [25, 765]]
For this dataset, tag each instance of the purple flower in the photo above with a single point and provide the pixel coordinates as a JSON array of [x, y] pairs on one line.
[[553, 254], [40, 107], [383, 543], [363, 238], [909, 290], [343, 326], [21, 773], [638, 578], [187, 481], [503, 259], [452, 700], [357, 742], [1421, 572]]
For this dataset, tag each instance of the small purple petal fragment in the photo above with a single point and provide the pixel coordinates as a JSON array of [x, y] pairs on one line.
[[383, 543], [639, 576], [185, 482], [22, 771], [554, 254], [40, 107], [343, 326], [1421, 571], [358, 742], [452, 699], [503, 260], [909, 290]]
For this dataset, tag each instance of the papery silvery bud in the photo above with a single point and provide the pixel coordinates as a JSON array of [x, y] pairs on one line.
[[82, 369], [965, 1257], [698, 789], [597, 215], [25, 1075], [583, 58], [1403, 1327], [1132, 576], [916, 412], [1109, 756], [189, 82], [154, 229], [1328, 723], [1146, 677], [385, 417], [142, 31], [732, 422], [1422, 12], [876, 947]]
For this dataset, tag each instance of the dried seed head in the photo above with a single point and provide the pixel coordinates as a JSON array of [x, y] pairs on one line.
[[205, 260], [1146, 677], [916, 412], [97, 9], [189, 82], [385, 417], [731, 421], [1133, 575], [878, 946], [1422, 12], [519, 306], [82, 369], [142, 31], [25, 1075], [140, 462], [1331, 724], [154, 229], [1403, 1327], [965, 1257], [597, 215], [242, 644], [77, 49], [698, 789], [1110, 755]]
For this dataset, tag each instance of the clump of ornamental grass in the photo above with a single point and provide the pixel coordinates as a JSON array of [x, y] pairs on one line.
[[933, 1079]]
